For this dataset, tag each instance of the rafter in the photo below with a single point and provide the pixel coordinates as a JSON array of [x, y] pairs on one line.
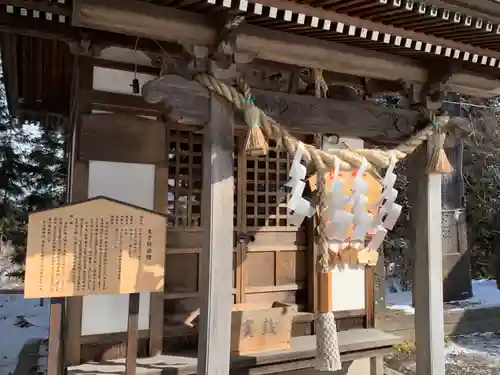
[[172, 25]]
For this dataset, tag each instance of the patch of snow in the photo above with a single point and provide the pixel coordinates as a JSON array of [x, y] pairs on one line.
[[21, 320], [474, 354], [485, 345], [397, 299], [485, 294]]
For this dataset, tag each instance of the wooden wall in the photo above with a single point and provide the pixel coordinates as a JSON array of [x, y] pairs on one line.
[[115, 138]]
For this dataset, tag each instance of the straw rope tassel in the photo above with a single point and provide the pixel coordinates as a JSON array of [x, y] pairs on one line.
[[255, 142], [438, 161], [349, 159], [320, 85], [327, 345]]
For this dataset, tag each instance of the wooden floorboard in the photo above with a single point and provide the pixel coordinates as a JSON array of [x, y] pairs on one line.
[[358, 343]]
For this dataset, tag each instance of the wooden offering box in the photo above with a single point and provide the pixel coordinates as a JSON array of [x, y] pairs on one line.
[[256, 328]]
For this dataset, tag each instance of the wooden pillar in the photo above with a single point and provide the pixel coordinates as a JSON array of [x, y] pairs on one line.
[[428, 283], [79, 192], [457, 283], [380, 286], [157, 300], [217, 255]]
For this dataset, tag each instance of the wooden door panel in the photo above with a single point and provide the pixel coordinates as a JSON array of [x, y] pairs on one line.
[[275, 259], [185, 264], [259, 269], [290, 268], [276, 262], [185, 229]]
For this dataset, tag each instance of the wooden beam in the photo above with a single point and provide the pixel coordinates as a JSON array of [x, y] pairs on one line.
[[428, 285], [123, 103], [214, 343], [259, 74], [189, 103], [172, 25]]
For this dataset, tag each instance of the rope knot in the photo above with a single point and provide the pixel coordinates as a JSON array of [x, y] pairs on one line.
[[255, 142], [251, 114]]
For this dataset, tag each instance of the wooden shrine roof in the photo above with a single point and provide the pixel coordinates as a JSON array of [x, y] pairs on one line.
[[449, 29], [467, 21], [37, 71], [38, 78], [454, 31]]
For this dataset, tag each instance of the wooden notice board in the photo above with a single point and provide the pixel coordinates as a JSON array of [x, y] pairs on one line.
[[100, 246]]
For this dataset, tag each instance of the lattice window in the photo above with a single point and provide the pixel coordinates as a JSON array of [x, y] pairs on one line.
[[266, 195], [185, 181], [185, 178]]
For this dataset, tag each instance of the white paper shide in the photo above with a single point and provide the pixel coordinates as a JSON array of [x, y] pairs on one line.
[[299, 207], [341, 221]]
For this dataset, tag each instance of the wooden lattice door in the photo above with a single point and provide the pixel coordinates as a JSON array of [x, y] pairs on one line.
[[185, 227], [269, 256], [273, 254]]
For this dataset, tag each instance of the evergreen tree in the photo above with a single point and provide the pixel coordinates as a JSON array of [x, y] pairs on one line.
[[47, 169], [33, 171], [13, 171]]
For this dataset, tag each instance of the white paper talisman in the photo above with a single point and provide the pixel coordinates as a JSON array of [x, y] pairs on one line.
[[300, 207]]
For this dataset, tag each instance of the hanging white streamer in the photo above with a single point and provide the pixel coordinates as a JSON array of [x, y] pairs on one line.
[[377, 239], [339, 227], [362, 220], [339, 221], [301, 207], [388, 211], [390, 176], [362, 225], [359, 185], [385, 205], [336, 200]]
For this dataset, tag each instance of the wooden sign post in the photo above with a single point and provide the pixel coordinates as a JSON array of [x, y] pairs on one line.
[[100, 246]]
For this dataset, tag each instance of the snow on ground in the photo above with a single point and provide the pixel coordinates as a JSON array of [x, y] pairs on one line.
[[21, 320], [474, 354], [479, 345], [485, 294]]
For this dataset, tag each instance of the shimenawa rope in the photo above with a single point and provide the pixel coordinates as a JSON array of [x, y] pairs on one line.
[[322, 160]]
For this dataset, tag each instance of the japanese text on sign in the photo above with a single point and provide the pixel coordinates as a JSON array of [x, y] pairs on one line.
[[96, 247]]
